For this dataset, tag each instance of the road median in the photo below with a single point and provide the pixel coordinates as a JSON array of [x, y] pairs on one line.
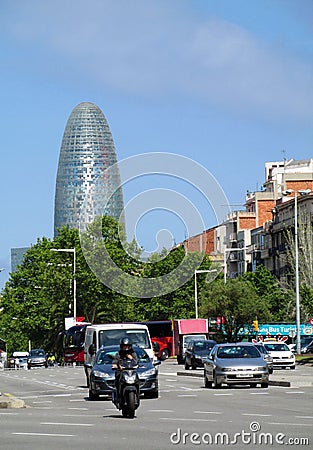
[[9, 401]]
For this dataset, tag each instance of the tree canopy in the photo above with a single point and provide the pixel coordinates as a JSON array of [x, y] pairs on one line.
[[236, 301], [39, 295]]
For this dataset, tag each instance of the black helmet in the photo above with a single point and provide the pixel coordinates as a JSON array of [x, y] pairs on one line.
[[126, 344]]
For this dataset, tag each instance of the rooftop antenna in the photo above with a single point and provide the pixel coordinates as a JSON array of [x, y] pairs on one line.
[[285, 160], [284, 153]]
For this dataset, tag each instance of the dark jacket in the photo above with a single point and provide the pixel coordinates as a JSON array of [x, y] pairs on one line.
[[122, 354]]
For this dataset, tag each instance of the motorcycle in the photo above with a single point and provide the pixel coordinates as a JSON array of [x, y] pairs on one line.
[[127, 394]]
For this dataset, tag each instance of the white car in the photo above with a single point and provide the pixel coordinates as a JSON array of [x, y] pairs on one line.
[[281, 354]]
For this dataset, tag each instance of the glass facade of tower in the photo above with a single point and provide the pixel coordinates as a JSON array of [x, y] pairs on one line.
[[88, 180]]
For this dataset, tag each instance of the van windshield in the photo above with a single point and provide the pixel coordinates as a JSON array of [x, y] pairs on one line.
[[139, 337]]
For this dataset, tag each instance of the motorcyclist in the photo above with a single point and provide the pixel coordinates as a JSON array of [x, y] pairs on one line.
[[125, 352]]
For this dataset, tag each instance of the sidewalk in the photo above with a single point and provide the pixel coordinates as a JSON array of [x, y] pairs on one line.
[[302, 376]]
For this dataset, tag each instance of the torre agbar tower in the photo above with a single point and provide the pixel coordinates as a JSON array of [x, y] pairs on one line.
[[85, 188]]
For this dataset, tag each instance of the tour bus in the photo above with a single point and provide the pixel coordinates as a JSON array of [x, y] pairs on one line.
[[73, 341], [161, 332], [102, 335]]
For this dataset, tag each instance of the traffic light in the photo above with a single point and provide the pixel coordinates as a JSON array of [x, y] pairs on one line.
[[255, 325]]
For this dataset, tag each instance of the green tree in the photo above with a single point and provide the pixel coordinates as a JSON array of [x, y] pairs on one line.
[[237, 301], [305, 265], [179, 302], [39, 295], [268, 288]]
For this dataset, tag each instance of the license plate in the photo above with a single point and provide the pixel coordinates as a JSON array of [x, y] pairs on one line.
[[244, 375]]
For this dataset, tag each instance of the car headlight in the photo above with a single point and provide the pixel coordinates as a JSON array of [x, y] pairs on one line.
[[198, 357], [99, 374], [260, 368], [149, 372], [227, 369]]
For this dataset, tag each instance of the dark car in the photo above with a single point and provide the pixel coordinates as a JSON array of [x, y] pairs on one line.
[[102, 376], [308, 348], [196, 351], [37, 358], [307, 345]]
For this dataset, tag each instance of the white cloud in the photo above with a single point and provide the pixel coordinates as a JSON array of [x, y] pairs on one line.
[[155, 48]]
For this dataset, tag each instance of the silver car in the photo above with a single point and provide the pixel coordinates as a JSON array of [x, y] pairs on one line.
[[239, 363]]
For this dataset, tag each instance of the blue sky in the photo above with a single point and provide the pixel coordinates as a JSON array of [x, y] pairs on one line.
[[227, 83]]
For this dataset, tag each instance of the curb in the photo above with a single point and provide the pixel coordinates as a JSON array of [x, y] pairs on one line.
[[8, 401], [199, 375]]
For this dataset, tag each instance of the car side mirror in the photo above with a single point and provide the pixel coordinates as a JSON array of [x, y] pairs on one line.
[[157, 363], [110, 356]]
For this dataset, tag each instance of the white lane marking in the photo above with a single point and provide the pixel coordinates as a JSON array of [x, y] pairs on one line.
[[207, 412], [304, 417], [68, 424], [187, 420], [62, 395], [291, 424], [294, 392], [257, 415], [44, 396], [46, 434], [79, 409], [161, 410], [8, 414], [39, 408], [47, 382], [223, 394], [187, 395], [80, 415], [39, 403], [259, 393], [170, 385]]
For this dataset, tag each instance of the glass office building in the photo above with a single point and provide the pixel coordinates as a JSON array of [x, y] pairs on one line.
[[88, 179]]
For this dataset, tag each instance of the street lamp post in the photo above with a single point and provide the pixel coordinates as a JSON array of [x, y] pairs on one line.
[[70, 250], [196, 291], [298, 321]]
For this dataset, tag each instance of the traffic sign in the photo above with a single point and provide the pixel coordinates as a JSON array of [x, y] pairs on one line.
[[311, 321]]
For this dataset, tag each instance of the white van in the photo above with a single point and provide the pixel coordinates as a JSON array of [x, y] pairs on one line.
[[102, 335]]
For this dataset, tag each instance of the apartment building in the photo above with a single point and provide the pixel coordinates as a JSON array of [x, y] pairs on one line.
[[256, 235]]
